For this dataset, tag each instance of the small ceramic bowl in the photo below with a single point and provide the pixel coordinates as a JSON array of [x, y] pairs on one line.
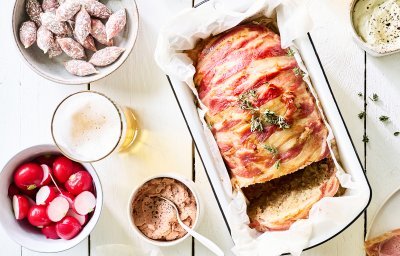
[[53, 69], [360, 42], [22, 232], [192, 187]]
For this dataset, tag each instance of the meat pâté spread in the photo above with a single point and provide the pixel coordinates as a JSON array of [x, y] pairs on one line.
[[155, 218]]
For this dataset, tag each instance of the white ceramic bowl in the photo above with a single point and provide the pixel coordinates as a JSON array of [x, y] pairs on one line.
[[23, 233], [53, 69], [192, 187], [360, 42]]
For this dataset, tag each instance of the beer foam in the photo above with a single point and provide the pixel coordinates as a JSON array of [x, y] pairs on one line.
[[87, 126]]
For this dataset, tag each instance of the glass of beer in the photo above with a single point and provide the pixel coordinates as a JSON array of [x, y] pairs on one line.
[[88, 126]]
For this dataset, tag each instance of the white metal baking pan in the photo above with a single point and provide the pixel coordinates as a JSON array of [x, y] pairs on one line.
[[349, 158]]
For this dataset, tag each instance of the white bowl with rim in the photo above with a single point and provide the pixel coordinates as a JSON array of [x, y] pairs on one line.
[[190, 185], [53, 69], [21, 231], [359, 41]]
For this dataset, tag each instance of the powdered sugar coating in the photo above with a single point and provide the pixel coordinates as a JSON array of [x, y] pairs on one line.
[[44, 39], [68, 9], [72, 48], [50, 5], [98, 31], [82, 25], [80, 68], [50, 21], [106, 56], [115, 23], [27, 33], [33, 9], [96, 9]]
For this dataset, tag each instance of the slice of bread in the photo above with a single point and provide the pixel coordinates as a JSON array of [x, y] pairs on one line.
[[275, 205]]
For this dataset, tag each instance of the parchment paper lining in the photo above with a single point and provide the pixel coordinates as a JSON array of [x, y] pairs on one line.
[[293, 21]]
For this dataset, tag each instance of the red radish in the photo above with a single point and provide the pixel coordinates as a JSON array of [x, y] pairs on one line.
[[50, 232], [81, 218], [28, 176], [68, 228], [84, 203], [78, 167], [57, 209], [45, 195], [20, 206], [37, 216], [79, 182], [46, 175], [63, 168], [13, 190]]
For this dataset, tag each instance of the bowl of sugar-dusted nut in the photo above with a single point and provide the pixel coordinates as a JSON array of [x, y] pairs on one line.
[[75, 41]]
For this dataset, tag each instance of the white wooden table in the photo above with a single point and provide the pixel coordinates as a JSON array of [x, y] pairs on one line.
[[27, 102]]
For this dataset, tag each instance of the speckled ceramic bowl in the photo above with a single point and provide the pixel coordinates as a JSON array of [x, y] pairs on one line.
[[53, 69]]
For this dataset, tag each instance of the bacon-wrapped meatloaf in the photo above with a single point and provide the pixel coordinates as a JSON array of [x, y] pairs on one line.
[[263, 117]]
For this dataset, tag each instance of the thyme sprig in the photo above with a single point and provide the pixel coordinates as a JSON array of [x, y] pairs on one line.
[[298, 72], [245, 101], [273, 150], [289, 52], [374, 97]]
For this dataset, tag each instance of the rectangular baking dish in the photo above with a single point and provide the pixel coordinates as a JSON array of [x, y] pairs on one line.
[[349, 158]]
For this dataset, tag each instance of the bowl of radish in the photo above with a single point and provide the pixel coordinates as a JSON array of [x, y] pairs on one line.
[[49, 202]]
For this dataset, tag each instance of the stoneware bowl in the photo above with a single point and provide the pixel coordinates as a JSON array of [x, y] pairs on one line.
[[192, 187], [359, 41], [23, 233], [53, 69]]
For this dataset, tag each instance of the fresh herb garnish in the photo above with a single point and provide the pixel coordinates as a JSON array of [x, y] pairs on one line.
[[365, 138], [209, 125], [272, 118], [359, 94], [361, 115], [374, 97], [298, 72], [256, 124], [396, 133], [289, 52], [245, 100], [384, 118], [271, 149], [277, 164]]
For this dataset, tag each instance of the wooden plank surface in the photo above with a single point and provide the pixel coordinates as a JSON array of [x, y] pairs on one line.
[[27, 103], [343, 63], [164, 144]]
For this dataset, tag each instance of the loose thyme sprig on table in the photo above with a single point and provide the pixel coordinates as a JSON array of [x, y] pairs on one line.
[[365, 138], [384, 118], [374, 97], [362, 114]]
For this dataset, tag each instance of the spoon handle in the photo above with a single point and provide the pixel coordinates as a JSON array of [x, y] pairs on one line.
[[202, 239]]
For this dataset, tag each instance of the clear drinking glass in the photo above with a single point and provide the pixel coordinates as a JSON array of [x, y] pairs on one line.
[[88, 126]]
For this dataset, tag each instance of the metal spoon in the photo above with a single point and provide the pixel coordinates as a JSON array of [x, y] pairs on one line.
[[205, 241]]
